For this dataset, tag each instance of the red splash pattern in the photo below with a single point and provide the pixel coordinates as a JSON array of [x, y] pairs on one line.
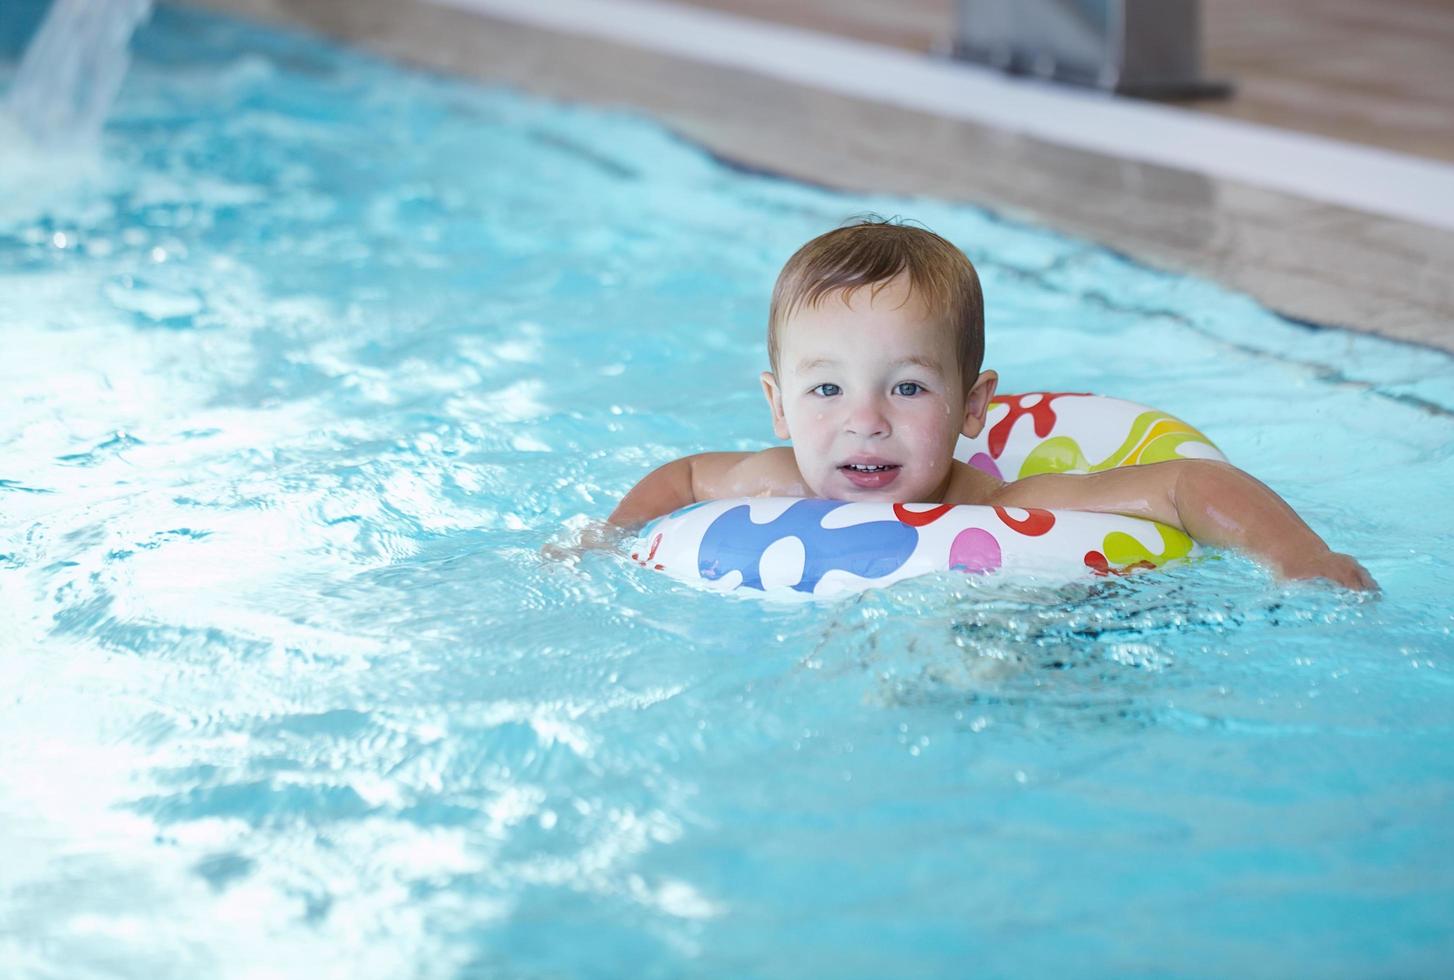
[[1036, 521], [655, 543], [1041, 412], [1098, 564], [919, 518]]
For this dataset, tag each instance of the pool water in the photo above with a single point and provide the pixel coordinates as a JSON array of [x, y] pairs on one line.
[[309, 358]]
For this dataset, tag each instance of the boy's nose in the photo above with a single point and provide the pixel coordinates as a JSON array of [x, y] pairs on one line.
[[868, 419]]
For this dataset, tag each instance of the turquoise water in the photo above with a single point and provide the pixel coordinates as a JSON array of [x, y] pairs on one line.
[[307, 361]]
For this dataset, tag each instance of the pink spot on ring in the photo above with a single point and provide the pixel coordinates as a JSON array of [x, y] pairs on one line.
[[985, 463], [975, 550]]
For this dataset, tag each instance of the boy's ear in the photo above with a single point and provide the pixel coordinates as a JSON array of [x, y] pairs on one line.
[[977, 403], [775, 402]]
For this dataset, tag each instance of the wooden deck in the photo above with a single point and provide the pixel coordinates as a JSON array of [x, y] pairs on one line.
[[1379, 73]]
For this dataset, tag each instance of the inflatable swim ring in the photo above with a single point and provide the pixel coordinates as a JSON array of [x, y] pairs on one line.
[[814, 547]]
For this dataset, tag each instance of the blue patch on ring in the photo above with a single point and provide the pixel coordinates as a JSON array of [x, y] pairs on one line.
[[734, 543]]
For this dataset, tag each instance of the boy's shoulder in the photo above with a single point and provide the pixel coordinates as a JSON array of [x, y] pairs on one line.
[[769, 472]]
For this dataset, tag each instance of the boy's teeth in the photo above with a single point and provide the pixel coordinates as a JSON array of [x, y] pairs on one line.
[[865, 468]]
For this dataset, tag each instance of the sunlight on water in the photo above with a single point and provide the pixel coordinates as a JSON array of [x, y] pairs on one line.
[[311, 355]]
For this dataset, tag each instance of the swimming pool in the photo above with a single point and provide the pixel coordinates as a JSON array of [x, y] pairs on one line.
[[307, 364]]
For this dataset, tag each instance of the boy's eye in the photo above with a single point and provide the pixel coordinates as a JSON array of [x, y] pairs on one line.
[[908, 388], [827, 389]]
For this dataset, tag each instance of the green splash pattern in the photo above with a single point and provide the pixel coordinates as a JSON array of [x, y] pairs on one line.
[[1155, 437], [1122, 550]]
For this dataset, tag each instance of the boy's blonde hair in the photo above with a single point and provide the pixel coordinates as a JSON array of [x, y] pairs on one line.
[[870, 253]]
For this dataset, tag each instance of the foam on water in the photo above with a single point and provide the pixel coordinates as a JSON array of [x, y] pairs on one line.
[[308, 358]]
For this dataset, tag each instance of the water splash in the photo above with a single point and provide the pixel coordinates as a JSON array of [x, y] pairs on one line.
[[73, 68]]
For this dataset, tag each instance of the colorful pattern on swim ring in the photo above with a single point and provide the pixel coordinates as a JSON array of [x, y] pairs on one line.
[[1069, 432], [808, 547]]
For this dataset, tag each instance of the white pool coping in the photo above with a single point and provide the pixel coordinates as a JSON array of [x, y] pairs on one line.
[[1361, 177]]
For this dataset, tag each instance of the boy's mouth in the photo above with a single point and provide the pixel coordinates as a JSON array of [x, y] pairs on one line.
[[870, 476]]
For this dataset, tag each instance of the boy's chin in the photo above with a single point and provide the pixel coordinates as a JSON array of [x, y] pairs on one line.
[[841, 489]]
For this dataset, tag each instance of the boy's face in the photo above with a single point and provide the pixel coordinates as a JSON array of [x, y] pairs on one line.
[[870, 394]]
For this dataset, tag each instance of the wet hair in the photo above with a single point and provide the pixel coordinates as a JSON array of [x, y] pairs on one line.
[[871, 252]]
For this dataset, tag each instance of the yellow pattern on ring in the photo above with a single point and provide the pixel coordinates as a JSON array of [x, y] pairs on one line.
[[1154, 438], [1121, 549]]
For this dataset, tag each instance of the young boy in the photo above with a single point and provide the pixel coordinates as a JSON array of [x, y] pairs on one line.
[[875, 336]]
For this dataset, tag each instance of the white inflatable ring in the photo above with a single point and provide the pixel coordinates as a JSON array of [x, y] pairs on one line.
[[814, 547]]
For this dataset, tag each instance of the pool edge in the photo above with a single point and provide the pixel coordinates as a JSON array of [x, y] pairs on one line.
[[1311, 261]]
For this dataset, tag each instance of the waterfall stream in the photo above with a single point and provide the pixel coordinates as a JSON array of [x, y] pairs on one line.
[[73, 68]]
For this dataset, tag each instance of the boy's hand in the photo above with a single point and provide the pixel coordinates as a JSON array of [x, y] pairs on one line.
[[1334, 566], [595, 536]]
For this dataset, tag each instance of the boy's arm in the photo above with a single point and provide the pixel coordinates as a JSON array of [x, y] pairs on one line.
[[661, 491], [706, 476], [1216, 503]]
